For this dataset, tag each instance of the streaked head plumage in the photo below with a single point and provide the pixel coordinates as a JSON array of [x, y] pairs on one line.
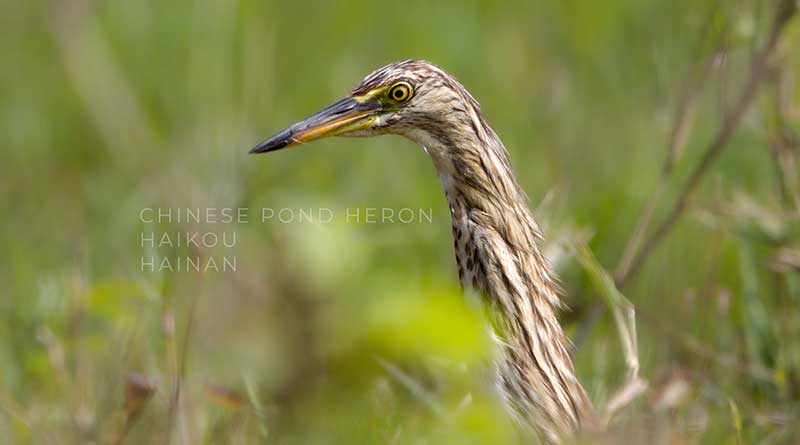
[[402, 98]]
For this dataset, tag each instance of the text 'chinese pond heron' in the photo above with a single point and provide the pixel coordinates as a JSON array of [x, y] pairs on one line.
[[496, 239]]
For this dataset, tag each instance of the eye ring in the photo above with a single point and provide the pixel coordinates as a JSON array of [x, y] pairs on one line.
[[401, 91]]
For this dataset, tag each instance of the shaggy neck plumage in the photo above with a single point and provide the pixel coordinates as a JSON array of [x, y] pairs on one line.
[[498, 254]]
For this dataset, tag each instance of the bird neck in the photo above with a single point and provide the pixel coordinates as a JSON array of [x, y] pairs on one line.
[[497, 244]]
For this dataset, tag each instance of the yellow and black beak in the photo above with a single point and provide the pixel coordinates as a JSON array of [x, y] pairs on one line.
[[342, 117]]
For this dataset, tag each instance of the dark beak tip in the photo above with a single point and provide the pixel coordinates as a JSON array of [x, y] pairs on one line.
[[276, 142]]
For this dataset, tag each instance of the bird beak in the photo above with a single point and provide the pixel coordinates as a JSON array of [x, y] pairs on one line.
[[344, 116]]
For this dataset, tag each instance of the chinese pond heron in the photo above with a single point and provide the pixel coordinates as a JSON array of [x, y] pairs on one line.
[[497, 241]]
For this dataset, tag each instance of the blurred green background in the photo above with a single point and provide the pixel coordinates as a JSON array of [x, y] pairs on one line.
[[350, 332]]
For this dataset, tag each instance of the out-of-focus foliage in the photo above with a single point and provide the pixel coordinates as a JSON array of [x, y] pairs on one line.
[[355, 332]]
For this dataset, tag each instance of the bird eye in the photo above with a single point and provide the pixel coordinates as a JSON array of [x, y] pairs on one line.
[[400, 91]]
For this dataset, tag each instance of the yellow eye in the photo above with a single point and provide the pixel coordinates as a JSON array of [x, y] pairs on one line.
[[401, 91]]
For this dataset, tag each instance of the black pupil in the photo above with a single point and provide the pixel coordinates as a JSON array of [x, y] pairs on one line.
[[399, 93]]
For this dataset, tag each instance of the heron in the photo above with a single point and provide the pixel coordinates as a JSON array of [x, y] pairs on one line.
[[496, 238]]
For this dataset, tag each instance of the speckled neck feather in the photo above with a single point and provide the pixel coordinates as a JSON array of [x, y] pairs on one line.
[[497, 244]]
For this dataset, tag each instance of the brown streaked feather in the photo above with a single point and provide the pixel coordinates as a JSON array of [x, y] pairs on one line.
[[496, 240]]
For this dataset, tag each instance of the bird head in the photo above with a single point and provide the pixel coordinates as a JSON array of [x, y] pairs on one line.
[[412, 98]]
